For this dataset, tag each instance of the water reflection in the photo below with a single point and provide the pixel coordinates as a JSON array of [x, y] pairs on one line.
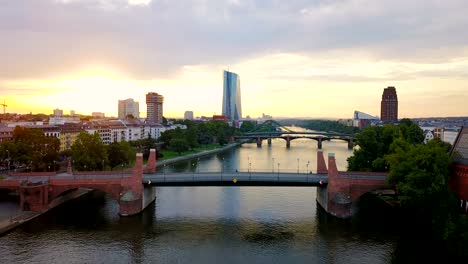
[[208, 224]]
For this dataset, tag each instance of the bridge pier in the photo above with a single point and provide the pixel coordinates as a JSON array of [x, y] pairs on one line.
[[135, 197], [319, 143], [259, 142], [288, 142], [34, 197], [269, 141], [344, 189]]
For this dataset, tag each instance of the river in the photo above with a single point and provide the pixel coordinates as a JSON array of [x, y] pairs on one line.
[[209, 224]]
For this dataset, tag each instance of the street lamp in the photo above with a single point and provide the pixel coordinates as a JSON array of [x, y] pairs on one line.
[[307, 164], [223, 166], [278, 170], [8, 153], [198, 165], [273, 165], [297, 165]]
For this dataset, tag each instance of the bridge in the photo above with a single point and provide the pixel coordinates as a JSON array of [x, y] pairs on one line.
[[289, 136], [135, 189]]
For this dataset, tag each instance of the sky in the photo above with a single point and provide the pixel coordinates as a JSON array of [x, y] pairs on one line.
[[295, 58]]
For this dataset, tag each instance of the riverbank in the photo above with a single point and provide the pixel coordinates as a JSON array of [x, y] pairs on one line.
[[23, 217], [198, 155]]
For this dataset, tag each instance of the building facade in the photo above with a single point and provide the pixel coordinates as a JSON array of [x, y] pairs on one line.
[[188, 115], [58, 112], [154, 108], [389, 105], [232, 108], [129, 107]]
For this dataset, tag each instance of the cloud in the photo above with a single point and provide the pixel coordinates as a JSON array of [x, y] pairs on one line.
[[155, 39]]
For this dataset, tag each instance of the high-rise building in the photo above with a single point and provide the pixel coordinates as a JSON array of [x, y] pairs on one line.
[[188, 115], [232, 108], [389, 105], [154, 108], [128, 107], [58, 112]]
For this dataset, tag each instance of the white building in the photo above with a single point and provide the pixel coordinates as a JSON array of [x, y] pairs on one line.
[[128, 107], [60, 120], [188, 115], [58, 112], [428, 136]]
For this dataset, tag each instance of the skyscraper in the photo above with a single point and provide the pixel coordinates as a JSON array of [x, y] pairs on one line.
[[188, 115], [154, 108], [232, 108], [389, 105], [128, 107]]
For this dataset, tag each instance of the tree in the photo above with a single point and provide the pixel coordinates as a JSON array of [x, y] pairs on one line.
[[420, 174], [88, 152], [247, 126], [120, 153], [411, 132], [374, 143], [32, 148], [179, 145]]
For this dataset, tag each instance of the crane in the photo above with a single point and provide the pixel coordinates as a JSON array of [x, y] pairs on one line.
[[4, 106]]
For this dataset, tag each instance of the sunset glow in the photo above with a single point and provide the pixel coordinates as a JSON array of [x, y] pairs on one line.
[[310, 69]]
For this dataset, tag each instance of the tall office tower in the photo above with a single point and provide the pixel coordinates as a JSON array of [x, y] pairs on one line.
[[154, 108], [188, 115], [128, 107], [232, 108], [58, 112], [389, 105]]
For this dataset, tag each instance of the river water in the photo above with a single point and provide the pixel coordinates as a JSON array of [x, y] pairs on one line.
[[209, 224]]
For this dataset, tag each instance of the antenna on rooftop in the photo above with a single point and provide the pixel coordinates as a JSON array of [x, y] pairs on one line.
[[4, 106]]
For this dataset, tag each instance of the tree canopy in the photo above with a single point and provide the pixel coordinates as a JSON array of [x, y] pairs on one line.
[[88, 152], [32, 148]]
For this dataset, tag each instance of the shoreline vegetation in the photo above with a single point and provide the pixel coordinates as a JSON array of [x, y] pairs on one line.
[[173, 157]]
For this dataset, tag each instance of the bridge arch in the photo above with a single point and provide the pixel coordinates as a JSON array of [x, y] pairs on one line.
[[113, 190]]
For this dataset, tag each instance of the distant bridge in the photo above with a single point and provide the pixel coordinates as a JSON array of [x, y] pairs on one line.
[[289, 136]]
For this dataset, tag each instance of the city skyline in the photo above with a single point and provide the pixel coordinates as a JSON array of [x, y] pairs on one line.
[[297, 59]]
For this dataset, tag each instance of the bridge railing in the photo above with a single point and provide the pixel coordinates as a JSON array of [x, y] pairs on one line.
[[235, 177], [172, 170]]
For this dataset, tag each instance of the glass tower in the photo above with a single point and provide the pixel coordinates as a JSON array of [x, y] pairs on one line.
[[232, 108]]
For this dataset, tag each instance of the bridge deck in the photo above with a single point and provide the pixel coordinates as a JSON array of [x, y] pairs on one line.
[[235, 179]]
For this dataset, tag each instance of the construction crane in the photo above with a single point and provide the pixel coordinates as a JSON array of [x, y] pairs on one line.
[[4, 106]]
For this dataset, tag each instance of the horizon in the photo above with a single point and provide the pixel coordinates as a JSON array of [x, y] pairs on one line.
[[324, 59]]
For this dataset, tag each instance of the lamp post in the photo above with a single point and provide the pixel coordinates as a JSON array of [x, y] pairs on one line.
[[278, 170], [272, 165], [297, 165], [8, 153], [223, 166], [307, 164], [198, 165], [55, 162]]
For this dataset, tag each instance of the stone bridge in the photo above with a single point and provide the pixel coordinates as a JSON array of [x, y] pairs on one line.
[[290, 136]]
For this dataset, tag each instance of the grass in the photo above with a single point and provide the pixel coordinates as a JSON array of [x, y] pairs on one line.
[[169, 154]]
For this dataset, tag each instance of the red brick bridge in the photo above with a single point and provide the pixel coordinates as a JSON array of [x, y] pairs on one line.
[[125, 187], [337, 191]]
